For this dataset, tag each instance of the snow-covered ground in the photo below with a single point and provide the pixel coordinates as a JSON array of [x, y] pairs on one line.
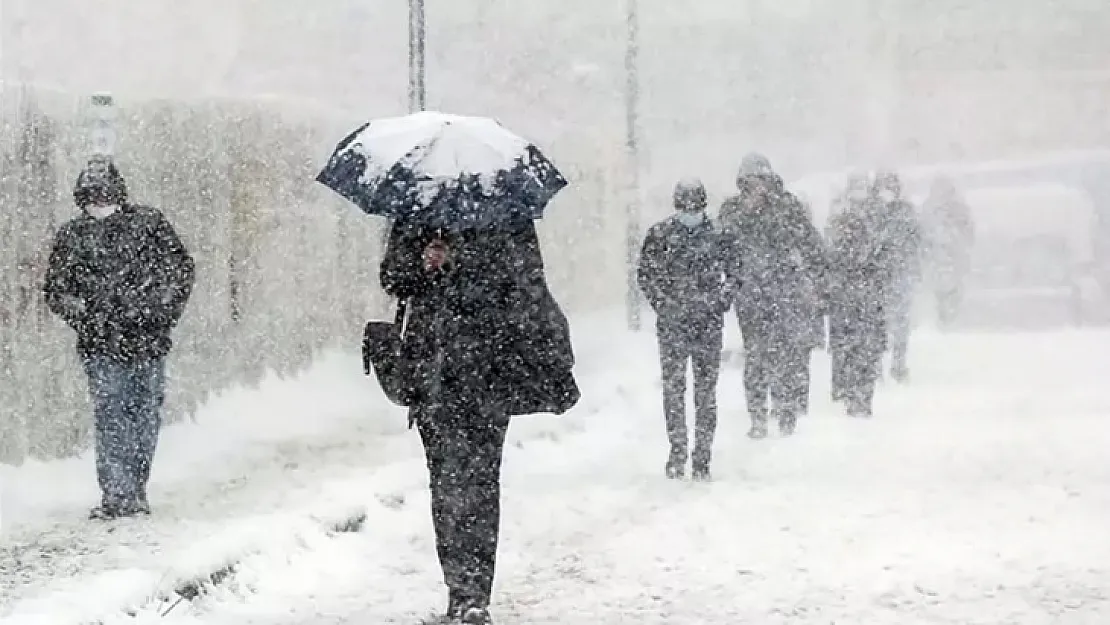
[[979, 494]]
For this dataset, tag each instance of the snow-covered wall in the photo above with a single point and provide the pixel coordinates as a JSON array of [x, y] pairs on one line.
[[285, 267]]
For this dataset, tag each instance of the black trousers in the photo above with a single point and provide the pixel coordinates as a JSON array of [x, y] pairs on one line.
[[463, 445], [862, 361], [776, 373], [696, 344], [857, 342]]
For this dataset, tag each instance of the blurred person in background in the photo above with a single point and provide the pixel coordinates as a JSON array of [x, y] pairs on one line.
[[949, 236], [860, 267], [856, 193], [900, 231], [778, 257]]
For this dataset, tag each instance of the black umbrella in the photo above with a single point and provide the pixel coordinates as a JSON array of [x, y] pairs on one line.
[[442, 170]]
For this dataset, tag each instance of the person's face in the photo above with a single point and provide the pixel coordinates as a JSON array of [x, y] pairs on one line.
[[100, 197], [762, 187]]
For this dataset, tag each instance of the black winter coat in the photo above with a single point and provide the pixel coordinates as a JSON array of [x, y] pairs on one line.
[[682, 272], [902, 237], [121, 283], [485, 329], [782, 266], [861, 277]]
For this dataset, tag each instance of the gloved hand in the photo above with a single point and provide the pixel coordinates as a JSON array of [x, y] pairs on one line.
[[72, 307]]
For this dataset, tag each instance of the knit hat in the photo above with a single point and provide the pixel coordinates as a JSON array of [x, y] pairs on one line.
[[99, 183]]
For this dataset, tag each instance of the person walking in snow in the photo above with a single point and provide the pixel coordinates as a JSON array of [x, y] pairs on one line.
[[857, 192], [860, 280], [120, 277], [901, 236], [949, 239], [489, 342], [780, 259], [815, 307], [682, 274]]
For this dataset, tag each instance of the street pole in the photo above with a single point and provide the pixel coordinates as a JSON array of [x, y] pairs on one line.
[[418, 99], [417, 36], [632, 145]]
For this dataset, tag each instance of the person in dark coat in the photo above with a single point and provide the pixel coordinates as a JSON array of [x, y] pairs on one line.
[[780, 260], [856, 194], [860, 277], [490, 342], [816, 308], [120, 277], [682, 274], [901, 234]]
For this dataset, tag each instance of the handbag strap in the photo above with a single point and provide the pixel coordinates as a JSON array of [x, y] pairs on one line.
[[402, 310]]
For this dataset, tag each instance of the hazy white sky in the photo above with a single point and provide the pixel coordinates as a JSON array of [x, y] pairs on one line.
[[805, 77]]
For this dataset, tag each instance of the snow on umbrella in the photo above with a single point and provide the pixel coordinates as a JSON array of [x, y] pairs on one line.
[[442, 170]]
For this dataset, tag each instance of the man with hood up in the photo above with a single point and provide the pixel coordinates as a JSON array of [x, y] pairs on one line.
[[120, 277], [780, 257], [682, 275]]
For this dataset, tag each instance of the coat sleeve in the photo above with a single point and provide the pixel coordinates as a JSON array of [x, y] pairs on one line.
[[808, 242], [649, 268], [731, 266], [60, 289], [816, 253], [176, 275], [402, 272]]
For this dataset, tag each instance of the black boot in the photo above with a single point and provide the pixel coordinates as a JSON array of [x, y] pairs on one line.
[[106, 511], [476, 616]]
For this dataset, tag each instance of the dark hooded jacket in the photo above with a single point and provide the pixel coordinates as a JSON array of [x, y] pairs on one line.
[[861, 276], [903, 239], [485, 328], [121, 282], [781, 261]]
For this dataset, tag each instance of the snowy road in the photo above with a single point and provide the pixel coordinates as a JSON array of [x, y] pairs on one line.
[[978, 495]]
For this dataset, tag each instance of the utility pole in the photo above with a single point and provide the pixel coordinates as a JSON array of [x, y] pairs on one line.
[[418, 98], [417, 34], [632, 145]]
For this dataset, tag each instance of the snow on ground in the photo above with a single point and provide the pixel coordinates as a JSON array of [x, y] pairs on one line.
[[979, 494], [256, 468], [233, 461]]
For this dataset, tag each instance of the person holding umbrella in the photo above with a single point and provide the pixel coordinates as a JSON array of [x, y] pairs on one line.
[[484, 339]]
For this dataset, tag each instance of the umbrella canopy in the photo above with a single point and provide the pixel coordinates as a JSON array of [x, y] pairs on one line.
[[442, 170]]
